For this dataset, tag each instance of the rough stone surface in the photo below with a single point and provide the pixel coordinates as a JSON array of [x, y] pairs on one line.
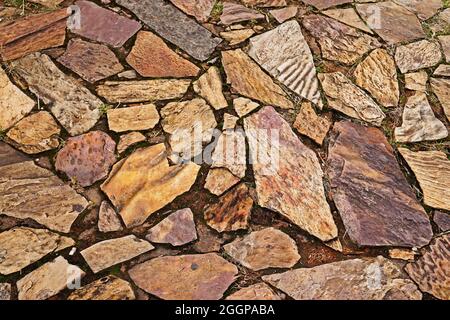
[[144, 117], [312, 125], [357, 279], [107, 288], [267, 248], [128, 140], [5, 291], [233, 13], [416, 81], [439, 24], [230, 152], [204, 277], [87, 159], [108, 253], [402, 254], [244, 106], [441, 88], [442, 220], [325, 4], [423, 9], [445, 43], [259, 291], [229, 122], [288, 174], [108, 221], [220, 180], [345, 97], [200, 9], [209, 86], [432, 271], [348, 16], [284, 14], [432, 171], [418, 55], [443, 70], [235, 37], [155, 183], [376, 203]]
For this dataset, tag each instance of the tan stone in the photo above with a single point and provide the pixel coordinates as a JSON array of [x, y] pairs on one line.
[[284, 14], [416, 81], [312, 125], [439, 24], [259, 291], [423, 9], [220, 180], [107, 288], [48, 3], [402, 254], [129, 139], [209, 86], [200, 9], [348, 16], [445, 43], [108, 221], [443, 70], [418, 55], [235, 37], [244, 106], [137, 118], [441, 88], [230, 153], [229, 122]]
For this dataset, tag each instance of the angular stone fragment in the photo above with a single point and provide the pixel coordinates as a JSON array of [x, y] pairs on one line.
[[442, 220], [312, 125], [284, 14], [177, 229], [348, 16], [345, 97], [220, 180], [108, 253], [186, 34], [108, 221], [230, 152], [439, 24], [246, 78], [14, 104], [233, 13], [47, 3], [229, 122], [232, 212], [103, 25], [199, 277], [154, 184], [144, 117], [151, 57], [338, 41], [432, 170], [107, 288], [432, 271], [441, 88], [129, 139], [423, 9], [389, 19], [417, 55], [29, 191], [92, 62], [288, 174], [402, 254], [244, 106], [285, 54], [443, 70], [48, 280], [235, 37], [87, 159], [445, 43], [378, 75], [325, 4], [200, 9], [259, 291], [33, 33], [376, 203], [267, 248], [5, 291], [357, 279], [419, 122], [143, 90], [209, 86], [20, 247], [190, 124], [75, 107], [35, 133], [416, 81], [265, 3]]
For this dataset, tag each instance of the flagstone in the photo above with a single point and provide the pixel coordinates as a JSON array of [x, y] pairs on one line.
[[348, 16], [259, 291], [235, 37], [200, 9], [233, 13], [108, 221], [143, 117], [416, 81], [209, 86], [325, 4], [418, 55], [312, 125], [107, 288], [128, 140], [220, 180], [441, 88]]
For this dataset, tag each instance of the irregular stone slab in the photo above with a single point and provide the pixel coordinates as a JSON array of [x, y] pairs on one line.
[[199, 277], [74, 106], [442, 220], [235, 37], [208, 239], [445, 43], [144, 117], [233, 13], [265, 3], [229, 122], [357, 279], [376, 203], [190, 124], [33, 33], [432, 271], [92, 62], [104, 25], [107, 288], [312, 125], [439, 23], [186, 34], [154, 184], [284, 53], [220, 180], [348, 16], [423, 9], [338, 41], [244, 106], [209, 86], [29, 191], [441, 88], [48, 280], [36, 133], [345, 97], [108, 253], [443, 70], [20, 247], [129, 139], [151, 57], [284, 14], [402, 254], [246, 78], [5, 291], [416, 81], [143, 90], [267, 248], [389, 19], [259, 291], [232, 212], [288, 174], [108, 221], [177, 229], [47, 3], [14, 104], [378, 75], [432, 170], [419, 122], [418, 55], [87, 159], [200, 9], [325, 4], [230, 152]]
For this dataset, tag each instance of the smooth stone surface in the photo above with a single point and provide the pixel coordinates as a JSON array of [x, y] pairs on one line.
[[259, 292], [235, 37], [325, 4], [416, 81], [445, 43], [348, 16], [284, 14], [423, 9], [233, 13], [128, 140], [220, 180], [418, 55], [209, 86], [376, 203], [244, 106], [139, 118], [108, 221], [200, 9], [107, 288], [312, 125], [441, 88]]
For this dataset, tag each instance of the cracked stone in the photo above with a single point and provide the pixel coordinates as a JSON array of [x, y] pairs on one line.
[[209, 86], [312, 125], [230, 152], [107, 288]]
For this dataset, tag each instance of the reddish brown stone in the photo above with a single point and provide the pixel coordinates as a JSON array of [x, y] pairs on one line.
[[233, 13], [87, 158], [325, 4], [442, 220], [200, 9], [259, 291]]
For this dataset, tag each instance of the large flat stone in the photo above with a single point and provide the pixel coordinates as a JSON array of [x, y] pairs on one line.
[[418, 55], [143, 117], [423, 9], [234, 13], [348, 16], [376, 203], [200, 9], [107, 288]]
